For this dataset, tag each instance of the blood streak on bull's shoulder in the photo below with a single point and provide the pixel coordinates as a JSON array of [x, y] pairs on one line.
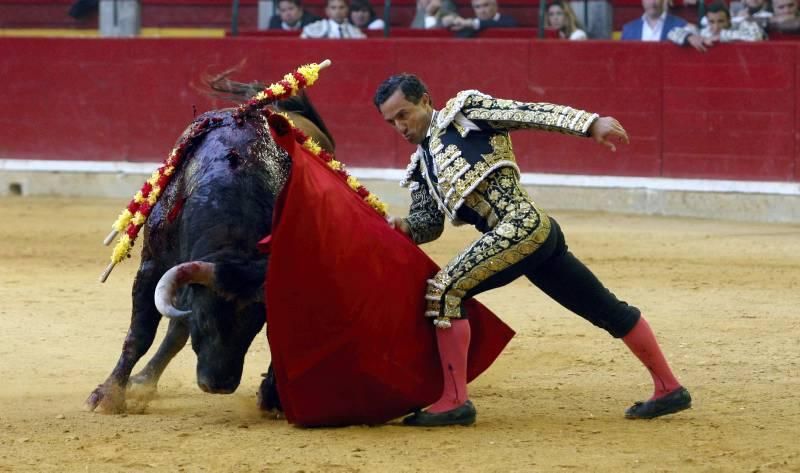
[[175, 210]]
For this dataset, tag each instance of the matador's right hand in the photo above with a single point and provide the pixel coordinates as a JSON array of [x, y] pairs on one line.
[[399, 224], [606, 129]]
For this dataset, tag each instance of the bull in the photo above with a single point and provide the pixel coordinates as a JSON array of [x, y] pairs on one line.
[[199, 253]]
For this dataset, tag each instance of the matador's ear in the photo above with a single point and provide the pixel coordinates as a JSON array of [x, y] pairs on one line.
[[426, 99]]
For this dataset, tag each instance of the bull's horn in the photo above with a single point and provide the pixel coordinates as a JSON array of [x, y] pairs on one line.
[[193, 272]]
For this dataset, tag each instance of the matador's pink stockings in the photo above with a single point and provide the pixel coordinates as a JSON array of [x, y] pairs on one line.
[[453, 346], [642, 342]]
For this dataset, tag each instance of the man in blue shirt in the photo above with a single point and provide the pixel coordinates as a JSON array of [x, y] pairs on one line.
[[654, 25]]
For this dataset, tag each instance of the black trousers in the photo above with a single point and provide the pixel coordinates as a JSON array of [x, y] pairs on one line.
[[559, 274]]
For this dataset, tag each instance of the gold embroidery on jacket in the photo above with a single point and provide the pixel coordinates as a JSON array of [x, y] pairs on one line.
[[454, 105], [476, 202], [502, 151], [520, 231], [448, 159], [462, 132], [520, 115], [456, 177]]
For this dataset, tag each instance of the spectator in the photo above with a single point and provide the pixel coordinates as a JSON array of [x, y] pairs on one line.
[[654, 24], [785, 18], [430, 13], [363, 16], [291, 16], [561, 18], [599, 24], [751, 10], [717, 28], [486, 16], [335, 26]]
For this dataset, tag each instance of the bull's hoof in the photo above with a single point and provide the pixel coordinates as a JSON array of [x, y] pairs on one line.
[[139, 396], [142, 387], [107, 398], [142, 378], [274, 414], [268, 399]]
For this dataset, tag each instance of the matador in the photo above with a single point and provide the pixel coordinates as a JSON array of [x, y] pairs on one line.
[[464, 169]]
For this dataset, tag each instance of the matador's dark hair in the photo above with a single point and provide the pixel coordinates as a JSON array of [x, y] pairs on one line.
[[413, 88]]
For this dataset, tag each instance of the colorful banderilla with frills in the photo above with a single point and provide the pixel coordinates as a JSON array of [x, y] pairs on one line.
[[133, 217]]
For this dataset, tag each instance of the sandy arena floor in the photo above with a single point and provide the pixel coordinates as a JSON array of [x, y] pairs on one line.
[[723, 298]]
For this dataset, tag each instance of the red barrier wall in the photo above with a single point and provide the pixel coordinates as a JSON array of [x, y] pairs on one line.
[[730, 113], [217, 13]]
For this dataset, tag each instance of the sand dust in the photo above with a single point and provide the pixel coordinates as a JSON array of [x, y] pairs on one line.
[[723, 298]]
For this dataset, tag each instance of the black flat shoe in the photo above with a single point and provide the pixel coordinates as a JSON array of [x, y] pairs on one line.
[[671, 403], [462, 415]]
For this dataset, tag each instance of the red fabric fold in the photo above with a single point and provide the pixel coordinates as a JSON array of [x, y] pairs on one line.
[[345, 304]]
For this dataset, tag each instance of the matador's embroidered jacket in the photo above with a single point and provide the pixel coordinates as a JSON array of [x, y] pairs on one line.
[[468, 140], [465, 169]]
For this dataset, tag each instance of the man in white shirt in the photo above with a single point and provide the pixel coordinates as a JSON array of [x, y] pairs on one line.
[[757, 11], [486, 16], [717, 28], [786, 18], [336, 26], [654, 25]]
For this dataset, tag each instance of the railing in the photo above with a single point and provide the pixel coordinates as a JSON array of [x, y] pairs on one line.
[[238, 16]]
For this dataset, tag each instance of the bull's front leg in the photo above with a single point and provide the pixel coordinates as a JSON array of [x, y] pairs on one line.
[[145, 383], [109, 397], [268, 399]]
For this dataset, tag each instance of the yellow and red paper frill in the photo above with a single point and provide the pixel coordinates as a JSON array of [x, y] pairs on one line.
[[133, 217]]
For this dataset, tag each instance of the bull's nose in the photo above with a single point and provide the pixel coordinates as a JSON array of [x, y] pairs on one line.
[[215, 389]]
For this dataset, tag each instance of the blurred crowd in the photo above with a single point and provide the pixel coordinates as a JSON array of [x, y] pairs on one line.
[[575, 20], [741, 20]]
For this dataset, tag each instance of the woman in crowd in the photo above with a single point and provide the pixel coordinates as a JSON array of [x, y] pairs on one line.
[[561, 18], [363, 15]]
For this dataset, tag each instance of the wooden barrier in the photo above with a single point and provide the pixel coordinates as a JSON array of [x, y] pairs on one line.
[[731, 113]]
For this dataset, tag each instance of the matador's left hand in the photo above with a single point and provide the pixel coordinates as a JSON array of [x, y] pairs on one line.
[[606, 129]]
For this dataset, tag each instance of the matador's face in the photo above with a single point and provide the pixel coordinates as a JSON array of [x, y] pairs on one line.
[[409, 119]]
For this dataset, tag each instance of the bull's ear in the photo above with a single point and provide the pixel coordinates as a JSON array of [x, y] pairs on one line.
[[279, 124]]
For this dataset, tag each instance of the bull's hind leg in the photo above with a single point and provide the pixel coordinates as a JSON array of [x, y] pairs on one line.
[[109, 397], [145, 383]]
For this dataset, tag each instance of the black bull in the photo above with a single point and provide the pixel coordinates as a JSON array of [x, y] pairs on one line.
[[203, 231]]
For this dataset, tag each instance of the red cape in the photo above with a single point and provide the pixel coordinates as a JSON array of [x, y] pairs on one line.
[[345, 303]]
